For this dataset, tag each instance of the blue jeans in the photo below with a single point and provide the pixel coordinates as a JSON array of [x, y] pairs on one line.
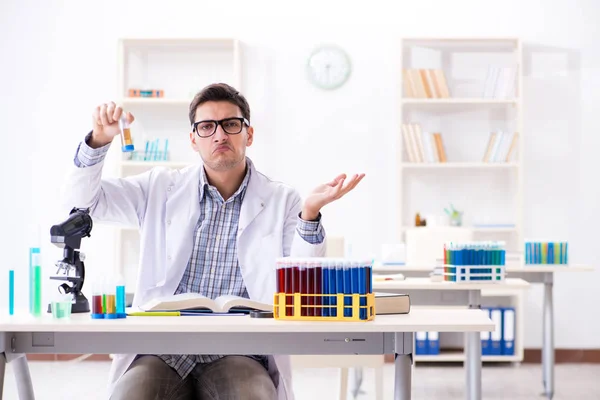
[[229, 378]]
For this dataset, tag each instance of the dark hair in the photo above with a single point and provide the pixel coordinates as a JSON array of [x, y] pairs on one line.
[[219, 92]]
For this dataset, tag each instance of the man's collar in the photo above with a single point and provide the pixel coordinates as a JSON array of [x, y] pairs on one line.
[[203, 184]]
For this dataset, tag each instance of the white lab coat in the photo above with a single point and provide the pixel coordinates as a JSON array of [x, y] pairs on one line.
[[164, 204]]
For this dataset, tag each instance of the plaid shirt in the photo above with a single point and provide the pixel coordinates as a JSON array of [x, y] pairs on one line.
[[213, 268]]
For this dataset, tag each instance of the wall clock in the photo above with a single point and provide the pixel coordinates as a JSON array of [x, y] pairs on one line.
[[328, 67]]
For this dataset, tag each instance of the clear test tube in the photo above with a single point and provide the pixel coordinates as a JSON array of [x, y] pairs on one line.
[[126, 142], [120, 300], [110, 294], [97, 301]]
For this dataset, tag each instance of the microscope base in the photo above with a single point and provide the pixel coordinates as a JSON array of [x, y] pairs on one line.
[[81, 304]]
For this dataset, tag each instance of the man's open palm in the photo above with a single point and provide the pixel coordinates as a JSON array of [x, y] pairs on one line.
[[331, 191]]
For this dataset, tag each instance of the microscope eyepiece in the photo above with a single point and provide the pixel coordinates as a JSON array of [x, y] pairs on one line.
[[78, 225]]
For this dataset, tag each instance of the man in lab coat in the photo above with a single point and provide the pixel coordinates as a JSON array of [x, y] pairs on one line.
[[214, 228]]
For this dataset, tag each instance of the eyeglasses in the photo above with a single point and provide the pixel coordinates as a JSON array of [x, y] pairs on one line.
[[231, 126]]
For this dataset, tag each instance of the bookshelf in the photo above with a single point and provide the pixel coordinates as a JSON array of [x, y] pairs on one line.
[[156, 81], [460, 141], [464, 91]]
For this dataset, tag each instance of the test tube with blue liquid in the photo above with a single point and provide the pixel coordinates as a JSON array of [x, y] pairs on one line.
[[35, 271], [347, 268], [355, 268], [11, 292], [339, 275], [120, 300]]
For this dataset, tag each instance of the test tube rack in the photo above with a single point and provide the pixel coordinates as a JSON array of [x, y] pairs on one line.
[[474, 262], [474, 273], [109, 304], [546, 253], [324, 289]]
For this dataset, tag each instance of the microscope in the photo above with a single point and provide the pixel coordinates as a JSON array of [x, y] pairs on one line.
[[68, 235]]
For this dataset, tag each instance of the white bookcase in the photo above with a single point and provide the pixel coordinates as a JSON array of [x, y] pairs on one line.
[[480, 94], [179, 68]]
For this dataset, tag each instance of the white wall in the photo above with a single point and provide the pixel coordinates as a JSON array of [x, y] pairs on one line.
[[58, 62]]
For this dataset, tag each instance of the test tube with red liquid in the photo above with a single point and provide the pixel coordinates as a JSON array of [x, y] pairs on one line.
[[311, 268], [303, 286], [290, 272], [319, 288], [97, 303], [280, 277]]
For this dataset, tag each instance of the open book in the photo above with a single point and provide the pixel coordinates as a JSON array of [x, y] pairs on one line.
[[195, 301]]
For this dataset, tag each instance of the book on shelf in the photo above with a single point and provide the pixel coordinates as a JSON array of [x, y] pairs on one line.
[[500, 82], [422, 147], [501, 147], [198, 302], [425, 83], [391, 303]]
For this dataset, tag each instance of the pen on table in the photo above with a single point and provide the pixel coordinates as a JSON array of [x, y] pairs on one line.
[[154, 314]]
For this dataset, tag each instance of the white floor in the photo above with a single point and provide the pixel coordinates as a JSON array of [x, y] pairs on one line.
[[86, 380]]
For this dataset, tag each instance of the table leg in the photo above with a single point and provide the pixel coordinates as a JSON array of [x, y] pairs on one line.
[[403, 372], [358, 380], [548, 345], [2, 370], [473, 353], [23, 377]]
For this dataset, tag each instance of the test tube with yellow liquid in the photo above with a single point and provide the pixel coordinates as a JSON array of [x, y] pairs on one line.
[[110, 310], [126, 142]]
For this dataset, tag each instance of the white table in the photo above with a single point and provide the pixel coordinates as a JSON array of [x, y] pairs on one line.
[[424, 292], [387, 334], [543, 274]]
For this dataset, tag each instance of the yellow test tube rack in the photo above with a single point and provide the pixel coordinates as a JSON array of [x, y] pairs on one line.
[[299, 302]]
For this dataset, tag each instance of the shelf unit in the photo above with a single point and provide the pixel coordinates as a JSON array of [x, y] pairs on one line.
[[482, 229], [489, 193], [131, 101], [180, 67], [434, 101], [455, 165], [451, 349], [459, 356], [465, 118]]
